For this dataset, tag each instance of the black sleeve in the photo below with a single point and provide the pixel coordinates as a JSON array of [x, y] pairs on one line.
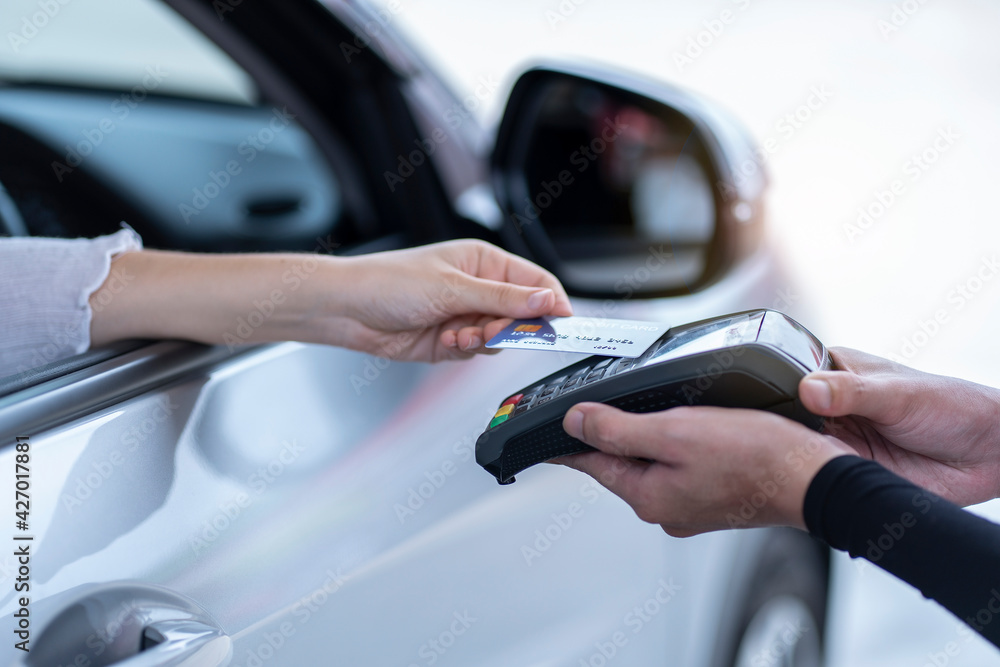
[[950, 555]]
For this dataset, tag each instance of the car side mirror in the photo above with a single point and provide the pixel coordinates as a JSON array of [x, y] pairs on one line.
[[621, 186]]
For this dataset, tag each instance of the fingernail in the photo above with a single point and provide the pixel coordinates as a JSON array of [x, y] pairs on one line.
[[474, 342], [821, 391], [573, 424], [539, 299]]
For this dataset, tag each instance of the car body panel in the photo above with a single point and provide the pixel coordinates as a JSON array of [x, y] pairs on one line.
[[324, 506], [279, 488]]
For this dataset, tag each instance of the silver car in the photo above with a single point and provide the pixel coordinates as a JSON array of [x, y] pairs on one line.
[[293, 504]]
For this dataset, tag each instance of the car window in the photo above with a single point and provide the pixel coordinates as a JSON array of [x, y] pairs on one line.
[[118, 111], [115, 44]]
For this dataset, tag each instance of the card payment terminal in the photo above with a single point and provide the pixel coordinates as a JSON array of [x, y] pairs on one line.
[[752, 359]]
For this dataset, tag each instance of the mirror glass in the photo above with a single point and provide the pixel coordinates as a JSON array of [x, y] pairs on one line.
[[622, 187]]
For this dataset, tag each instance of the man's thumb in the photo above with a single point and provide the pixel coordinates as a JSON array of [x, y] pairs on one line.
[[840, 393]]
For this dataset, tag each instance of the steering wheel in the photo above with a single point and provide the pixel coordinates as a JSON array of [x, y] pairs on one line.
[[11, 222]]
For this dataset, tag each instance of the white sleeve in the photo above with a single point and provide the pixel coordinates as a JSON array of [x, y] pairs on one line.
[[45, 287]]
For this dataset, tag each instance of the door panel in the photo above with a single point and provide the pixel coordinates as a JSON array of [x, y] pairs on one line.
[[326, 505]]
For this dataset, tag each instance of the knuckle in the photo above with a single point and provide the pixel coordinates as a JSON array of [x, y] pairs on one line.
[[676, 417], [501, 292], [476, 247], [645, 507], [678, 423], [676, 531], [643, 513], [850, 389], [603, 431]]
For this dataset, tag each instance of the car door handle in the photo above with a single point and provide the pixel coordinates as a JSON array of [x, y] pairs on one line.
[[181, 643], [126, 624]]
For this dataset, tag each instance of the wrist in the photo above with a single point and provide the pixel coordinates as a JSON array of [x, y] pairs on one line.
[[803, 465], [309, 298], [343, 287], [992, 415]]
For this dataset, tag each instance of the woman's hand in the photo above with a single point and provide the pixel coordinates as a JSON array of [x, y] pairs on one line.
[[939, 432], [444, 301], [698, 469]]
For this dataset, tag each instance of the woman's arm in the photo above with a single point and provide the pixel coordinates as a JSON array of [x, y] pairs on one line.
[[430, 303]]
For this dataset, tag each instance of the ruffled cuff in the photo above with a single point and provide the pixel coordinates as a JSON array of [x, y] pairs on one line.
[[45, 300]]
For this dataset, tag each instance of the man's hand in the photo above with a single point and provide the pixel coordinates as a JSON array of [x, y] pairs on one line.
[[941, 433], [698, 469], [709, 468]]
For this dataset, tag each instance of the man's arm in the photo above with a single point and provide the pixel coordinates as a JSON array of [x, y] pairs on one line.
[[950, 555]]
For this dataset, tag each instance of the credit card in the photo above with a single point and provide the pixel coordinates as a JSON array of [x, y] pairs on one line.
[[585, 335]]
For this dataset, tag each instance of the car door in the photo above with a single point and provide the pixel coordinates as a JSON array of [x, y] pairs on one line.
[[293, 504]]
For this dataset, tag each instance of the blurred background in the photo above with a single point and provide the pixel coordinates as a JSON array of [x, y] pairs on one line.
[[878, 123], [845, 98]]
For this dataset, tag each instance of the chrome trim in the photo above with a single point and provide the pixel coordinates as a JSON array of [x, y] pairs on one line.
[[77, 394]]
